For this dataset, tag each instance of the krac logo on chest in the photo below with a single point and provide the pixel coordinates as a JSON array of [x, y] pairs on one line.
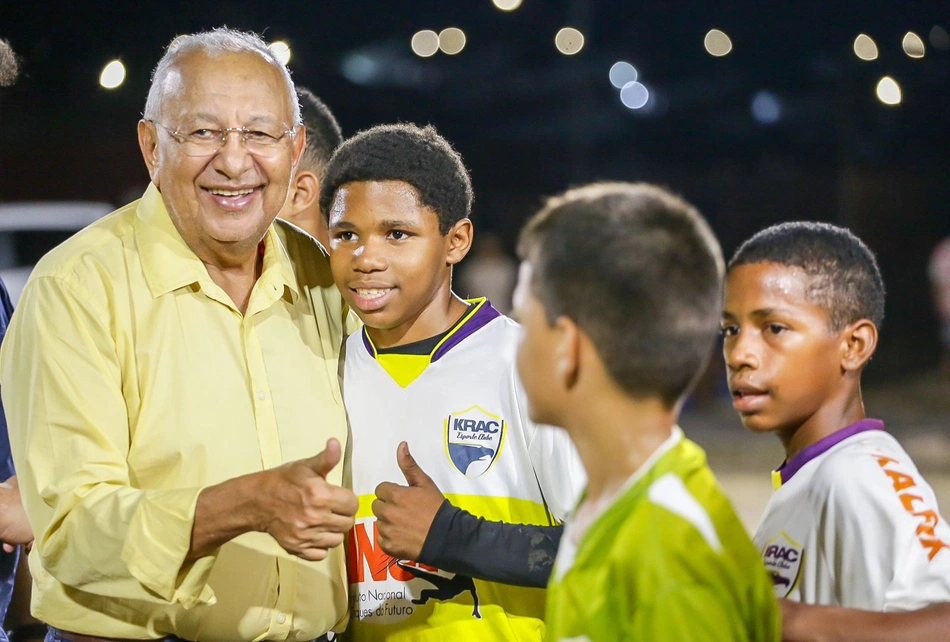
[[473, 440], [783, 560]]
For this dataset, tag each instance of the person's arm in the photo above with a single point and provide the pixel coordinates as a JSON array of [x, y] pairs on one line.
[[62, 386], [417, 522], [14, 525], [811, 623], [293, 503], [517, 554]]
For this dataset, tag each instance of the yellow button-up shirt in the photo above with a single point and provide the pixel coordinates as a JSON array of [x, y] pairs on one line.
[[131, 382]]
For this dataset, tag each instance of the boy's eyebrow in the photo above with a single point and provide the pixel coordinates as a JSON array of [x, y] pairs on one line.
[[344, 225], [390, 222], [768, 312], [761, 313]]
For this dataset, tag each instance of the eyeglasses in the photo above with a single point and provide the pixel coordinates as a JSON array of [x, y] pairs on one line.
[[261, 140]]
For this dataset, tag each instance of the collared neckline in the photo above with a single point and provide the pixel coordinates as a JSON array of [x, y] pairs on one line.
[[407, 368], [791, 466], [472, 321], [169, 264]]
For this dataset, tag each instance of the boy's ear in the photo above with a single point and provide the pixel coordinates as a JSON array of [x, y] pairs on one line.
[[567, 351], [858, 342], [306, 191], [459, 240]]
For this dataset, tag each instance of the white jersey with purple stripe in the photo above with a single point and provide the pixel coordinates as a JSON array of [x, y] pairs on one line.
[[462, 410], [853, 523]]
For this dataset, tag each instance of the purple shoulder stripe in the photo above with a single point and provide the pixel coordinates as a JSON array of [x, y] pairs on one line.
[[793, 465]]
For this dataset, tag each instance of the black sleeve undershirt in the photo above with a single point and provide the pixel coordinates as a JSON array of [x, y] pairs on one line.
[[515, 554]]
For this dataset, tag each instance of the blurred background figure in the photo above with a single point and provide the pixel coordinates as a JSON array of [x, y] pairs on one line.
[[939, 271], [323, 137], [489, 271]]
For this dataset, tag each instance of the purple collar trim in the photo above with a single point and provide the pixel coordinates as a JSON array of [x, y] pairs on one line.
[[367, 344], [793, 465], [482, 316]]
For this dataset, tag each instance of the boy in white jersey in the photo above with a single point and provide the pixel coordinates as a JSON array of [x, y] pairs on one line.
[[851, 523], [437, 373], [619, 294]]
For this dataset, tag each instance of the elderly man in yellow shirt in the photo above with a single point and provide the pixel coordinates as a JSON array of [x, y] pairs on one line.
[[167, 369]]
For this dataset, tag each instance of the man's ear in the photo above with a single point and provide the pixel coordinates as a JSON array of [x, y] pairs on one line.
[[299, 143], [858, 342], [148, 143], [459, 240], [306, 191], [567, 351]]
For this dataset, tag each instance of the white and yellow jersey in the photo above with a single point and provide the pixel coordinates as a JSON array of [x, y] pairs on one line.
[[463, 412], [853, 523]]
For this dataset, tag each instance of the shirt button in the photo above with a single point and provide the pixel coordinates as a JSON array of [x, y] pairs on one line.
[[281, 618], [261, 395]]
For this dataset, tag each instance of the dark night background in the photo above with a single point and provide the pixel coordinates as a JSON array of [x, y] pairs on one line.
[[530, 121]]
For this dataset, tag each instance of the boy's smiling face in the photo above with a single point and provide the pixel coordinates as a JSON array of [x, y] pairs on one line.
[[390, 261], [783, 360]]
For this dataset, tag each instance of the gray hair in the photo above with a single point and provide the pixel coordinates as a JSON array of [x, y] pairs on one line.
[[213, 43], [9, 64]]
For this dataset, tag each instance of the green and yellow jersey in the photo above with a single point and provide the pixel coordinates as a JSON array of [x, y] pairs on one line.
[[667, 559]]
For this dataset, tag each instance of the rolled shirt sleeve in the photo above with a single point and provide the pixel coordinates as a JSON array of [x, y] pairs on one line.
[[70, 432]]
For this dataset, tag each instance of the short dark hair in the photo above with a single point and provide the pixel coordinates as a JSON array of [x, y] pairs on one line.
[[640, 272], [323, 132], [844, 279], [415, 155]]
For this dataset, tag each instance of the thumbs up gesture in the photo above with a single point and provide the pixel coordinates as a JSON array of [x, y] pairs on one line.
[[307, 515], [405, 513]]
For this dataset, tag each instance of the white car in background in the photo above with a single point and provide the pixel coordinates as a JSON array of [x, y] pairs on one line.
[[28, 230]]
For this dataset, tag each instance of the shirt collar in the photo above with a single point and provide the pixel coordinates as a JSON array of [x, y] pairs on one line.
[[473, 320], [169, 264], [820, 447]]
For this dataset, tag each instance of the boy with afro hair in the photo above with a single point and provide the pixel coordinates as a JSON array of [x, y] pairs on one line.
[[434, 375]]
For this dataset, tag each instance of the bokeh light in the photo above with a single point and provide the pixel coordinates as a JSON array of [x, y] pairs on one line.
[[621, 73], [507, 5], [282, 50], [913, 45], [888, 91], [569, 41], [451, 40], [717, 43], [425, 43], [766, 107], [113, 75], [865, 48], [939, 38], [634, 95]]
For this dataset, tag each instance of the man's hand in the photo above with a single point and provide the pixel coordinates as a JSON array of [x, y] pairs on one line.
[[307, 515], [14, 527], [405, 513]]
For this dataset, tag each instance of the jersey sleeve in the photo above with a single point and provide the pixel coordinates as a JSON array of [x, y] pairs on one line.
[[557, 467], [881, 528]]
